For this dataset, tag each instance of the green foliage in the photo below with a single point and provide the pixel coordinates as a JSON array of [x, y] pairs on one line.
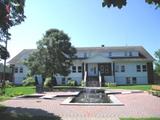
[[48, 83], [121, 3], [110, 84], [53, 56], [16, 91], [155, 2], [72, 83], [155, 93], [115, 3], [20, 90], [29, 81], [4, 54], [11, 14], [8, 84], [82, 83], [157, 63], [133, 87]]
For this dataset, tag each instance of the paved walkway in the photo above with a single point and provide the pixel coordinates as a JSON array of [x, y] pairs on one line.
[[136, 105]]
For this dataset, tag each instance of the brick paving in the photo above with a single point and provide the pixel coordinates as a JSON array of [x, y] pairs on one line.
[[136, 105]]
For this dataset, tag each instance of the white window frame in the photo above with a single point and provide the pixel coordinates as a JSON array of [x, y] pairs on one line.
[[144, 68], [16, 70], [138, 69], [123, 69], [21, 70], [74, 70], [79, 69]]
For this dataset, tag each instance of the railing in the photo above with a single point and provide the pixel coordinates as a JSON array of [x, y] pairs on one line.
[[100, 79], [85, 78]]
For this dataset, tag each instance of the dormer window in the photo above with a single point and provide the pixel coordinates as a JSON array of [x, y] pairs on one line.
[[125, 54], [110, 54], [130, 53], [85, 55]]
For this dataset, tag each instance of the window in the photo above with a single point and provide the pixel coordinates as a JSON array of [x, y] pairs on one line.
[[138, 68], [144, 67], [73, 69], [85, 55], [21, 70], [63, 81], [134, 80], [122, 68], [128, 80], [130, 53], [125, 54], [79, 69], [102, 69], [110, 54], [116, 68], [16, 70], [106, 69]]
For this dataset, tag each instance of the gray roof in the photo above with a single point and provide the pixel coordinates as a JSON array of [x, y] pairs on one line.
[[146, 56], [18, 59], [8, 70]]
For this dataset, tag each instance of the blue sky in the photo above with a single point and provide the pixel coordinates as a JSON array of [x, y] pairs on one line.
[[88, 24]]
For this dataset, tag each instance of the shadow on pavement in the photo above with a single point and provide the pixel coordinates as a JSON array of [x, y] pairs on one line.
[[18, 113]]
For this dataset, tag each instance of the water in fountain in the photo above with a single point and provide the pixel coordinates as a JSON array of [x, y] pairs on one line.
[[89, 95]]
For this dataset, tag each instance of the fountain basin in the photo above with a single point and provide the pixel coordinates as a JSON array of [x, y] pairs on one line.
[[93, 97]]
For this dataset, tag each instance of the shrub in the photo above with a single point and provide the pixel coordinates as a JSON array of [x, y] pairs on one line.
[[72, 83], [29, 81], [54, 81], [8, 84], [48, 83], [110, 84], [82, 83], [155, 93]]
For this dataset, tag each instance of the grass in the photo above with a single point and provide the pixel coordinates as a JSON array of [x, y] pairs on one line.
[[16, 91], [133, 87], [139, 118]]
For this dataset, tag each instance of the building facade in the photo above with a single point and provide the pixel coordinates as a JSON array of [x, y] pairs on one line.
[[98, 65]]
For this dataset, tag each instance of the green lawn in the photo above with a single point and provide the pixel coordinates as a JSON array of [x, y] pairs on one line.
[[139, 118], [16, 91], [133, 87]]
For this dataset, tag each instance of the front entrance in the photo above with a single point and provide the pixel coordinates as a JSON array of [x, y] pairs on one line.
[[92, 69]]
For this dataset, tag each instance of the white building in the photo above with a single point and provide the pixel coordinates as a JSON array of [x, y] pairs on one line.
[[97, 65]]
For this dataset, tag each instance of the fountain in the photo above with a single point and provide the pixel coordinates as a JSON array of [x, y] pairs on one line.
[[91, 95]]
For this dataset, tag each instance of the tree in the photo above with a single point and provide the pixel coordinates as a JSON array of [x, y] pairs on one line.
[[157, 63], [3, 52], [53, 56], [11, 14], [121, 3]]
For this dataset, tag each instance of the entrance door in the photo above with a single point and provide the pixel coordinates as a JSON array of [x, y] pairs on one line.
[[92, 69]]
